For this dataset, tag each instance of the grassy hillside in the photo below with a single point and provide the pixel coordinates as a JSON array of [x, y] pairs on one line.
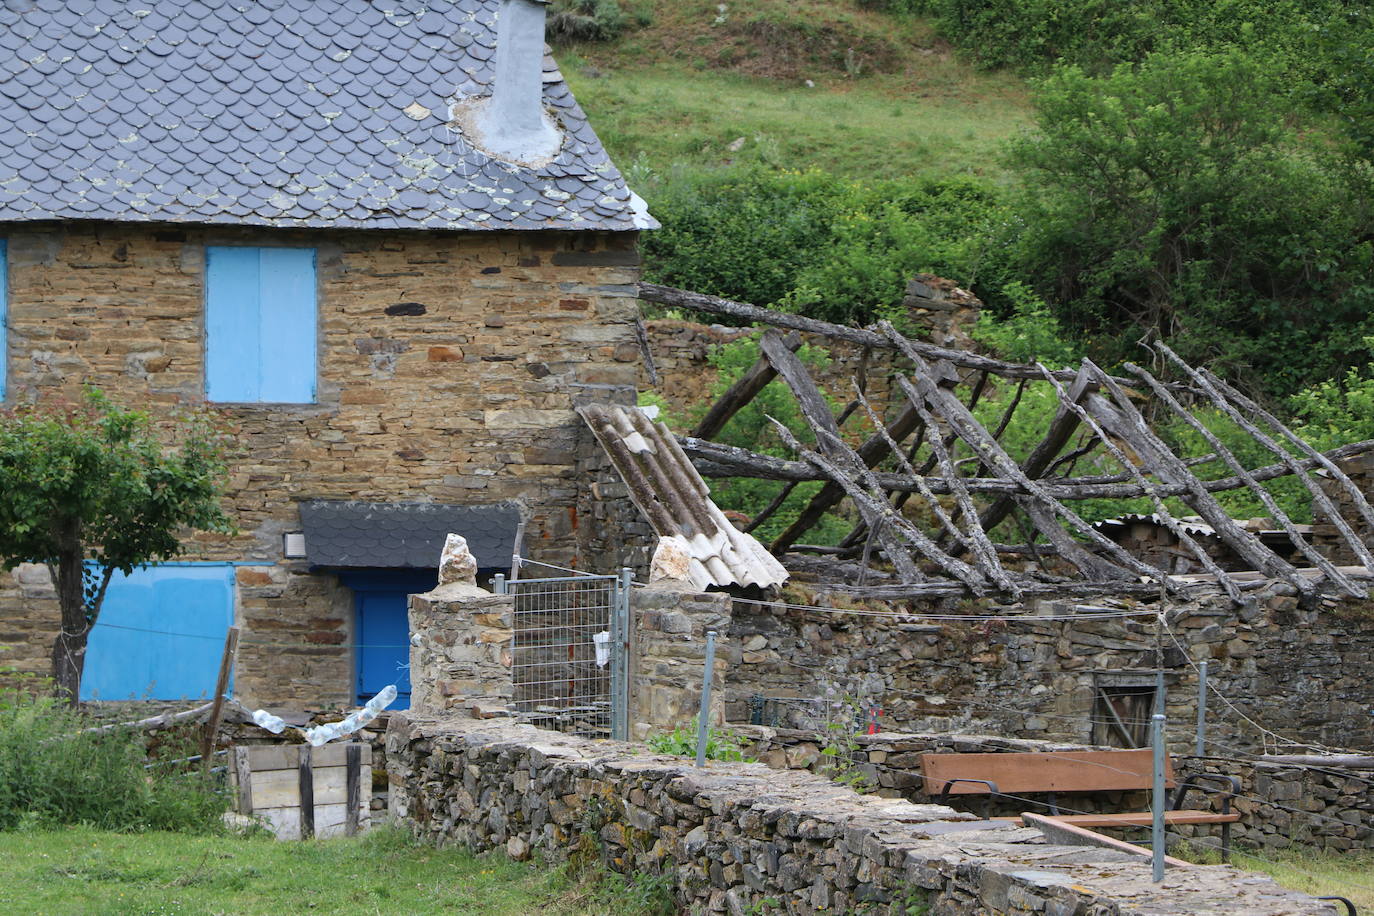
[[803, 83]]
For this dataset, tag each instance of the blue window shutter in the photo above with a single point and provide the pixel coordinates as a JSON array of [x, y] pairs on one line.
[[4, 319], [260, 325]]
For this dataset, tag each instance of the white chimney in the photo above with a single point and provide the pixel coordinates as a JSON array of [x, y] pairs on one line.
[[513, 124]]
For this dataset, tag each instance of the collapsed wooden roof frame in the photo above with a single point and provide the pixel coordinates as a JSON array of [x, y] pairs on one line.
[[962, 558]]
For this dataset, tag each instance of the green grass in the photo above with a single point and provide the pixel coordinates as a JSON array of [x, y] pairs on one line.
[[666, 117], [83, 871], [1321, 874], [680, 91]]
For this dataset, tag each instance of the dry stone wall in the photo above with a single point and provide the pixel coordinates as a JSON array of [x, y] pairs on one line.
[[449, 368], [742, 838], [1303, 673]]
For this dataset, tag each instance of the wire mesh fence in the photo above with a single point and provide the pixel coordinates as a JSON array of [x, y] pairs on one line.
[[566, 655]]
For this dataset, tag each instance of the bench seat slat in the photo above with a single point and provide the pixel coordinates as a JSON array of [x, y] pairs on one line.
[[1143, 819], [1065, 771]]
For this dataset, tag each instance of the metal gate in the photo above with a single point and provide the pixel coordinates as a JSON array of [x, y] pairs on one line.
[[570, 653]]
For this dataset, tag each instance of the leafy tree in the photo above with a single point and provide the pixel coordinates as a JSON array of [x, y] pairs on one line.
[[92, 488], [1172, 200]]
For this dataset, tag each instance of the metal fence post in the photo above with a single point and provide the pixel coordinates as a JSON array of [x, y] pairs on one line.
[[498, 583], [620, 657], [1157, 798], [704, 717], [1201, 709]]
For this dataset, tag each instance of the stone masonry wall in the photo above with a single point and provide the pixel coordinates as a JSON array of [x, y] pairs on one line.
[[743, 838], [1302, 673], [449, 367]]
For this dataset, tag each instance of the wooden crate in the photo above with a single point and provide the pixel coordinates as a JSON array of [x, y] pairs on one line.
[[300, 791]]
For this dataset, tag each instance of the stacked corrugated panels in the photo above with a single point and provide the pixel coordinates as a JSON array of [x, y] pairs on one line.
[[676, 501]]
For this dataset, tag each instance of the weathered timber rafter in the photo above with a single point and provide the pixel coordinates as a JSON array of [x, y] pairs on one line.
[[934, 438]]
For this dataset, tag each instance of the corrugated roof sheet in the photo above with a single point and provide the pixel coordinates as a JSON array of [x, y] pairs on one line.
[[405, 535], [332, 113], [676, 501]]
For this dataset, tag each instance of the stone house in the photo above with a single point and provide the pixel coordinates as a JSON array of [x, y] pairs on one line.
[[381, 241]]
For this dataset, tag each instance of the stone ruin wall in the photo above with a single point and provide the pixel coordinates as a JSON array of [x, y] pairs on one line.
[[741, 838], [1303, 673]]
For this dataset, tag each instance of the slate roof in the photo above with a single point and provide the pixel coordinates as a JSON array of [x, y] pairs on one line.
[[405, 535], [670, 492], [328, 113]]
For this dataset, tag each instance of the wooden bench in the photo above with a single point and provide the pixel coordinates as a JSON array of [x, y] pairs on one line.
[[1049, 774]]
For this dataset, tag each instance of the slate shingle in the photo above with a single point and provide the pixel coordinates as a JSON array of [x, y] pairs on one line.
[[226, 94], [342, 534]]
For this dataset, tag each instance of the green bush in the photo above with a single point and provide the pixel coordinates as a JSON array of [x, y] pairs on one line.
[[824, 246], [52, 774], [1099, 34], [1173, 200], [586, 20]]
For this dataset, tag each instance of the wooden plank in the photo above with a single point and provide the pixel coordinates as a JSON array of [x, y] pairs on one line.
[[1064, 771], [242, 771], [330, 820], [352, 776], [284, 756], [1062, 832], [280, 788], [1145, 818], [744, 390], [307, 793]]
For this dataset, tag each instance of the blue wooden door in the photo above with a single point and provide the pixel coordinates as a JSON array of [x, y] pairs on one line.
[[383, 629], [160, 634]]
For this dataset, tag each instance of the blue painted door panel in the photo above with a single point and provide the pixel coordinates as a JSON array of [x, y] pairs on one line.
[[383, 646], [260, 325], [125, 661], [382, 655]]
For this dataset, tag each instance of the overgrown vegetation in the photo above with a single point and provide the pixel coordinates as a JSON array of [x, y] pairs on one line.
[[53, 772], [721, 744]]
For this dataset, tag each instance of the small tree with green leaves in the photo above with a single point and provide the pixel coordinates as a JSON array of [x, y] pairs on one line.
[[91, 488]]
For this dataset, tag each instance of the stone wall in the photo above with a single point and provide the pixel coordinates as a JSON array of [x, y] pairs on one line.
[[742, 838], [1280, 806], [449, 367], [668, 663], [1302, 673], [460, 657]]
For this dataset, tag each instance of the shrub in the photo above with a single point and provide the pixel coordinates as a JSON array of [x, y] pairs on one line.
[[1172, 200], [825, 246], [53, 774], [586, 20]]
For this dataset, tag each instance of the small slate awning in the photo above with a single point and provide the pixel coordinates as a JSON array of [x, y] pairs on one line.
[[346, 534]]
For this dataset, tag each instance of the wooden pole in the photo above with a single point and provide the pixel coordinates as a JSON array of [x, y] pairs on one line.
[[353, 755], [307, 789], [226, 666]]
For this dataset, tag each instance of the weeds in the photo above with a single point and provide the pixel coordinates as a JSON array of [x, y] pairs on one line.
[[682, 742], [54, 773]]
